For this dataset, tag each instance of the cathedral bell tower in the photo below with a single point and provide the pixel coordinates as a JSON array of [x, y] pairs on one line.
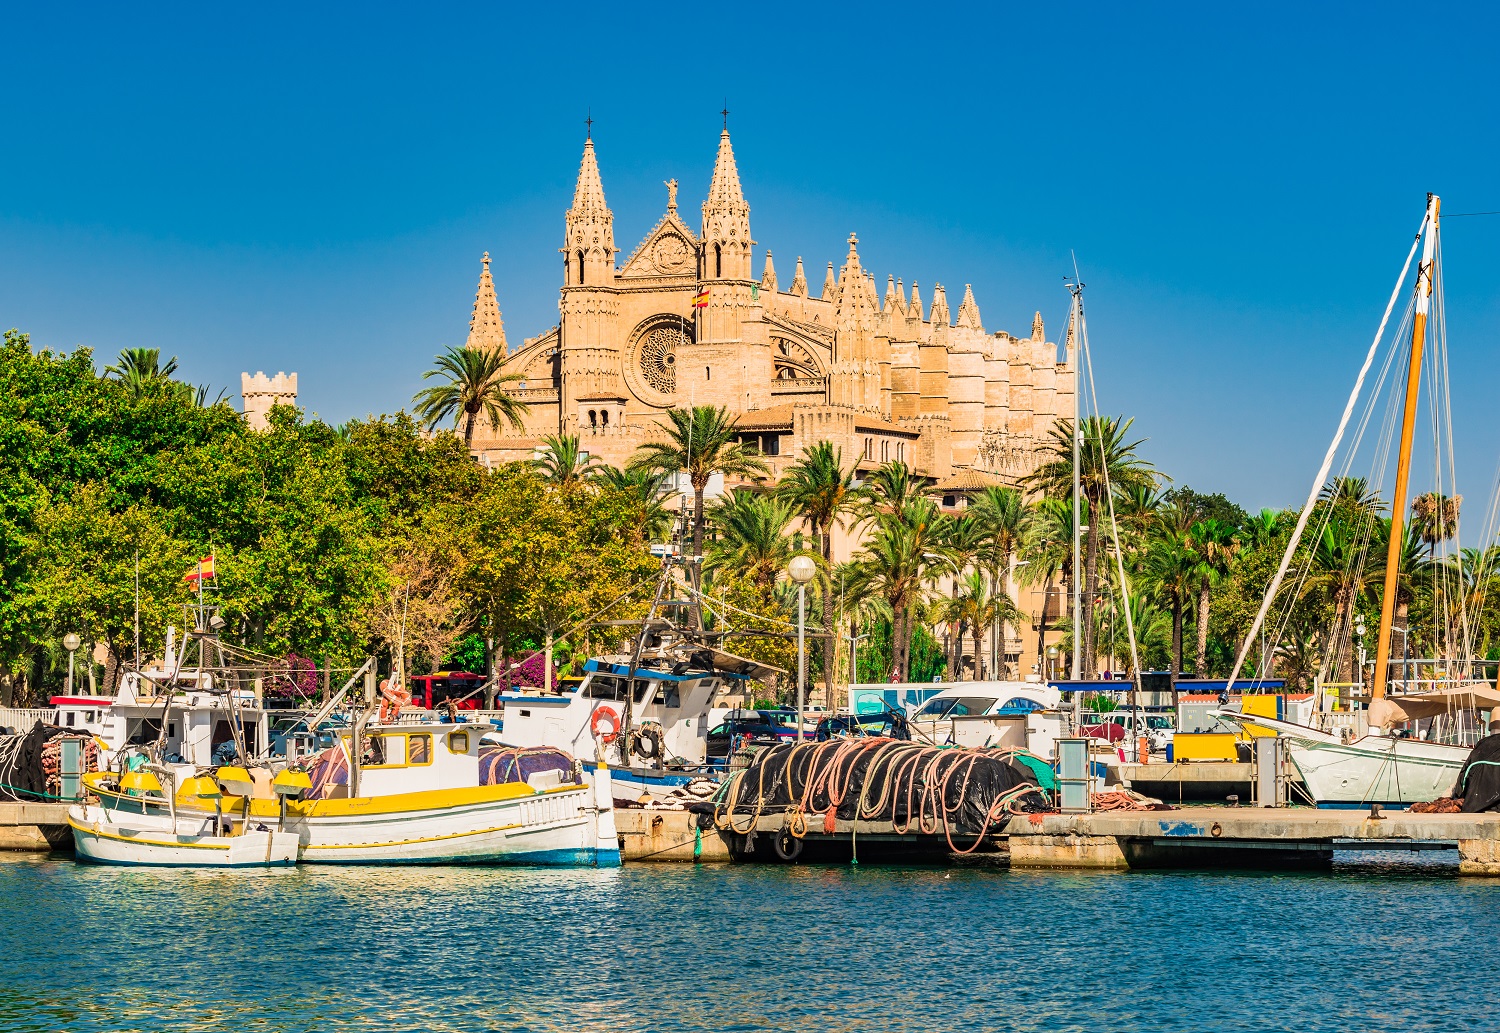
[[588, 355], [729, 362]]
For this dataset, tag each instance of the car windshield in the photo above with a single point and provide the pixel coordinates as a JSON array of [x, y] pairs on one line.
[[956, 706], [1159, 722]]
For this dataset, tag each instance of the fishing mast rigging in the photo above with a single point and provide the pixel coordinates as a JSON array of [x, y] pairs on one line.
[[1403, 458]]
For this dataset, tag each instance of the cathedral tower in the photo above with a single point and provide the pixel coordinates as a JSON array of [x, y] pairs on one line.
[[730, 355], [588, 356]]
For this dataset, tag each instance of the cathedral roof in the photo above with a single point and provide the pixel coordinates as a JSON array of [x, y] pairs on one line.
[[968, 479], [588, 195], [775, 417], [724, 189]]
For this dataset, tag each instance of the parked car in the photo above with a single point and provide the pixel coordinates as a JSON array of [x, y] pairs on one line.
[[762, 727], [886, 724]]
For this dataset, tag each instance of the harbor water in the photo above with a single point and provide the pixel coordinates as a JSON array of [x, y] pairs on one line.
[[1381, 942]]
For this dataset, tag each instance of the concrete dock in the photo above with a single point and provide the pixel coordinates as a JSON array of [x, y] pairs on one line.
[[1198, 781], [34, 827]]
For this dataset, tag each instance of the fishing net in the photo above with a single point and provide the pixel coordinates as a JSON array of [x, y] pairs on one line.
[[914, 788], [31, 762], [1479, 779], [500, 764]]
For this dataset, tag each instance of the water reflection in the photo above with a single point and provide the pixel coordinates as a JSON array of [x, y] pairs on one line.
[[747, 948]]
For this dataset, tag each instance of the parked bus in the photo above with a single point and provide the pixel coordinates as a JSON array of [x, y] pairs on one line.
[[431, 691]]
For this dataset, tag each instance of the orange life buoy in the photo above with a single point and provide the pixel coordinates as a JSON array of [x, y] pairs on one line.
[[605, 716]]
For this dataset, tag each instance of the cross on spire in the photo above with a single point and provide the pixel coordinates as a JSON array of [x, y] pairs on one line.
[[725, 113], [589, 123]]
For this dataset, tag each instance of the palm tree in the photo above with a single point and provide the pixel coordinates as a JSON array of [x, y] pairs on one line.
[[700, 442], [563, 463], [140, 370], [1047, 551], [1109, 463], [752, 537], [648, 489], [1172, 570], [894, 564], [961, 550], [1434, 516], [889, 488], [1003, 515], [1338, 573], [1215, 545], [476, 384], [1409, 566], [1353, 495], [819, 487]]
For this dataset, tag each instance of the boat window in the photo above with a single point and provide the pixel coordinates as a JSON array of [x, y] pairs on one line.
[[419, 749], [670, 698], [936, 708], [458, 742], [68, 719], [969, 705], [605, 686], [641, 689], [1019, 705]]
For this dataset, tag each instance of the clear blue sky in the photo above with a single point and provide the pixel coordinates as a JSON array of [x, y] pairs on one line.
[[311, 189]]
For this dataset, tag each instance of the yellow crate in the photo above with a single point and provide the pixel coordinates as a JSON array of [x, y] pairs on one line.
[[1261, 705], [1204, 746]]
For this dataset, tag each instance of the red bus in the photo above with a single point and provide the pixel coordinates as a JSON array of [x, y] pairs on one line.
[[431, 691]]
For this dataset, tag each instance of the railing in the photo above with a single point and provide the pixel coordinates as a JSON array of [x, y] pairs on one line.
[[22, 718]]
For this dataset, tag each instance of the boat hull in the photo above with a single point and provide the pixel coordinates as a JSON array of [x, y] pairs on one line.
[[1373, 769], [150, 843], [554, 828]]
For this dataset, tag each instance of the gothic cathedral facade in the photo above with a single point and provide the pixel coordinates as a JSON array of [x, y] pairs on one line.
[[683, 320]]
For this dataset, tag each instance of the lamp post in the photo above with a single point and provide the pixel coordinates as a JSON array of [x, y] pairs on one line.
[[801, 570], [71, 642], [1051, 662]]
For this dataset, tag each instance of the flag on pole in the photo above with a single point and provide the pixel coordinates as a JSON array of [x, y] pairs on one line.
[[700, 300], [204, 569]]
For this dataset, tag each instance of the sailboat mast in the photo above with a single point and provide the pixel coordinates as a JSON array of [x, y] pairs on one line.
[[1403, 458], [1075, 325]]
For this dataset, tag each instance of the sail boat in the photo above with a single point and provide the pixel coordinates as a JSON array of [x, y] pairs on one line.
[[1379, 767]]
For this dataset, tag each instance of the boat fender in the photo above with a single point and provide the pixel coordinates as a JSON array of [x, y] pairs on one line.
[[606, 717], [646, 742], [787, 846]]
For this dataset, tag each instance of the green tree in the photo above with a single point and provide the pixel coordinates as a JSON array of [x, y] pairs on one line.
[[649, 492], [1002, 516], [700, 442], [563, 462], [1214, 544], [476, 384], [1108, 463], [823, 491], [751, 537]]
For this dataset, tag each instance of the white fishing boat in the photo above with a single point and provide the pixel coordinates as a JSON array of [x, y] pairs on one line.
[[412, 793], [654, 736], [116, 829]]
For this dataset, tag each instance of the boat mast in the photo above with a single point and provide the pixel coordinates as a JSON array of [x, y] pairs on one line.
[[1075, 325], [1403, 458]]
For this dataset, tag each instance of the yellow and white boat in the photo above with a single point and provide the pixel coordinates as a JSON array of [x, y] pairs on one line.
[[127, 825], [412, 793]]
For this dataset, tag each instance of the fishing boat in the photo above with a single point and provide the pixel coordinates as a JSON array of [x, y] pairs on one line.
[[1384, 764], [132, 823]]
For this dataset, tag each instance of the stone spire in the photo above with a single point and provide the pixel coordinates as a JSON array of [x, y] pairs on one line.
[[768, 278], [857, 303], [914, 310], [895, 297], [968, 310], [799, 279], [726, 221], [590, 243], [486, 328], [939, 315], [828, 284], [1037, 331]]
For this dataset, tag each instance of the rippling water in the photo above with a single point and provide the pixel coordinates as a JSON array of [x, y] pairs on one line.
[[1385, 944]]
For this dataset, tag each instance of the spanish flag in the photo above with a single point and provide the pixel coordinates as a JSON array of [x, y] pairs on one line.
[[204, 569], [700, 300]]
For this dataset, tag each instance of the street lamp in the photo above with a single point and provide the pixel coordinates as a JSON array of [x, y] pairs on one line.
[[801, 570], [71, 642], [1051, 662]]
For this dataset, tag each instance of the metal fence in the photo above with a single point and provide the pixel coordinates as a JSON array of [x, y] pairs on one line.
[[22, 718]]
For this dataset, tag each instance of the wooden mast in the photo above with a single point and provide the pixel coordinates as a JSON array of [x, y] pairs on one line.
[[1403, 459]]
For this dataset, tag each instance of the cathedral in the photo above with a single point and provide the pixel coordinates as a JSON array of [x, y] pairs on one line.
[[683, 320]]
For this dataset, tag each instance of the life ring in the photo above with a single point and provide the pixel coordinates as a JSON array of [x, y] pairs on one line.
[[602, 716]]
